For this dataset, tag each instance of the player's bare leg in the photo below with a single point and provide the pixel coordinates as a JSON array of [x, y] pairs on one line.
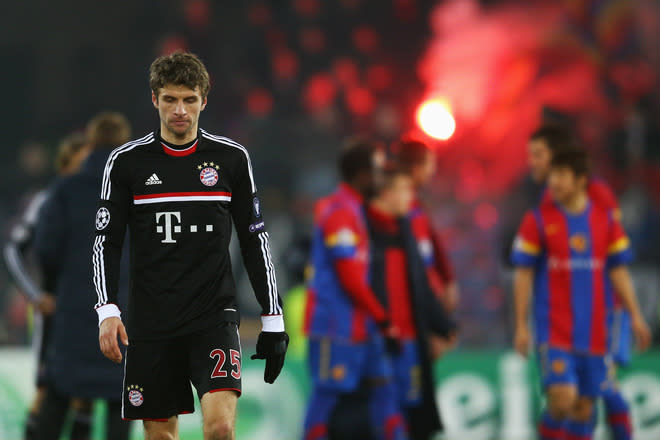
[[38, 399], [219, 413], [561, 400], [162, 430], [583, 411], [581, 423]]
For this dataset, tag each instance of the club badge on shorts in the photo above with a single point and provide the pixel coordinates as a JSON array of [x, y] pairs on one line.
[[135, 396], [208, 174]]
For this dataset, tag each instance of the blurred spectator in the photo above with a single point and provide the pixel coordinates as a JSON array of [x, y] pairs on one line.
[[77, 371]]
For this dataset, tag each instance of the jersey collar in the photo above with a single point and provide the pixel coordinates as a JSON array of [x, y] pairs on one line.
[[179, 151]]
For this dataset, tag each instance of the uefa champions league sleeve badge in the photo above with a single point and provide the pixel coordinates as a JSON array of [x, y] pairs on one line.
[[102, 218]]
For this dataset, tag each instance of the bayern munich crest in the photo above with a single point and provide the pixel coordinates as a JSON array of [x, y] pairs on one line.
[[209, 173], [102, 218], [135, 396]]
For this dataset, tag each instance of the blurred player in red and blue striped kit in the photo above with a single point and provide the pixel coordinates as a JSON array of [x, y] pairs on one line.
[[348, 328], [564, 252], [544, 142]]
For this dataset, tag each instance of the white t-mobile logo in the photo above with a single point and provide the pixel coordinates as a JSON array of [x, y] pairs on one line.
[[169, 228], [168, 225]]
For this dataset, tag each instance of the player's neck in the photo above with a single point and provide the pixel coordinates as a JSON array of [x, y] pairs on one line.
[[577, 204], [175, 140], [383, 207]]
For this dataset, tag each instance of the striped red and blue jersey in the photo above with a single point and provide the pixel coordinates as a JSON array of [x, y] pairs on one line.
[[570, 255], [340, 303], [600, 194]]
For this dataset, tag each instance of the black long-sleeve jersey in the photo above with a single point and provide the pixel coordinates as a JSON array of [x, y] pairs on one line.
[[178, 205]]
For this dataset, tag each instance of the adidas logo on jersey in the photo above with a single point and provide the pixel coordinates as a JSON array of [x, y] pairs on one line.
[[153, 180]]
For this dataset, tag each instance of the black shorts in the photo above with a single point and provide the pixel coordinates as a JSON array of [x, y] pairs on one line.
[[158, 374]]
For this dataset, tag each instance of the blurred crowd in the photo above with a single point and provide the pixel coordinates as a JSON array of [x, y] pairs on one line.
[[291, 81]]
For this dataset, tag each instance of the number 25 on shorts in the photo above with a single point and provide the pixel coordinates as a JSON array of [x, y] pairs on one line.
[[235, 358]]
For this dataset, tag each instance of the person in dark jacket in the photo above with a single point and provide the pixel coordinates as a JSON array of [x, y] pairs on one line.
[[18, 250], [399, 278], [63, 237]]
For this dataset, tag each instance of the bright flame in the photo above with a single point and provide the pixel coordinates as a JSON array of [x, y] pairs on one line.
[[435, 119]]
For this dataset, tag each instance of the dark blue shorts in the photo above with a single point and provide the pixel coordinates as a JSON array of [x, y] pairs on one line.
[[341, 366], [589, 373]]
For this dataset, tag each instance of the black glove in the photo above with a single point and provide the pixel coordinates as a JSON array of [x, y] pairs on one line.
[[440, 321], [392, 338], [272, 347]]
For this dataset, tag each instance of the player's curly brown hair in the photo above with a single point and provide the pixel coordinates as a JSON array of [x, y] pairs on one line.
[[180, 69], [575, 159]]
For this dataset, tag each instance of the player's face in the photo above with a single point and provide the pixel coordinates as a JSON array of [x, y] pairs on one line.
[[400, 195], [179, 108], [564, 185], [539, 158], [424, 171]]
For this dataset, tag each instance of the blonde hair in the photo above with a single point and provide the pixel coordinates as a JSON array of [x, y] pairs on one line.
[[108, 129], [67, 149]]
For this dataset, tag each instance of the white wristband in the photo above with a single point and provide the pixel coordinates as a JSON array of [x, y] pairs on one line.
[[108, 311], [272, 323]]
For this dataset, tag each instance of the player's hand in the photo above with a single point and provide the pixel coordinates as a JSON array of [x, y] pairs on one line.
[[521, 341], [108, 332], [641, 332], [272, 346], [392, 336], [439, 345], [46, 304], [451, 297]]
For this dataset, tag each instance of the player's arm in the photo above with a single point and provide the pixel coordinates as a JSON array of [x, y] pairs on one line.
[[523, 280], [623, 286], [253, 238], [527, 250], [619, 255], [445, 271], [20, 240], [341, 239], [255, 248], [110, 225]]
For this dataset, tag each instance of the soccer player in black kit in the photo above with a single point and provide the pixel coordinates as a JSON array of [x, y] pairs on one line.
[[178, 190]]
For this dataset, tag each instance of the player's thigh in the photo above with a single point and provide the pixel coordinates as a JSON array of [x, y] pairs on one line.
[[161, 430], [561, 399], [337, 365], [583, 409], [214, 356], [219, 414]]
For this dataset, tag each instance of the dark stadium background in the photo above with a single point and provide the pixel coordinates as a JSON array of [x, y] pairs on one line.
[[291, 79]]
